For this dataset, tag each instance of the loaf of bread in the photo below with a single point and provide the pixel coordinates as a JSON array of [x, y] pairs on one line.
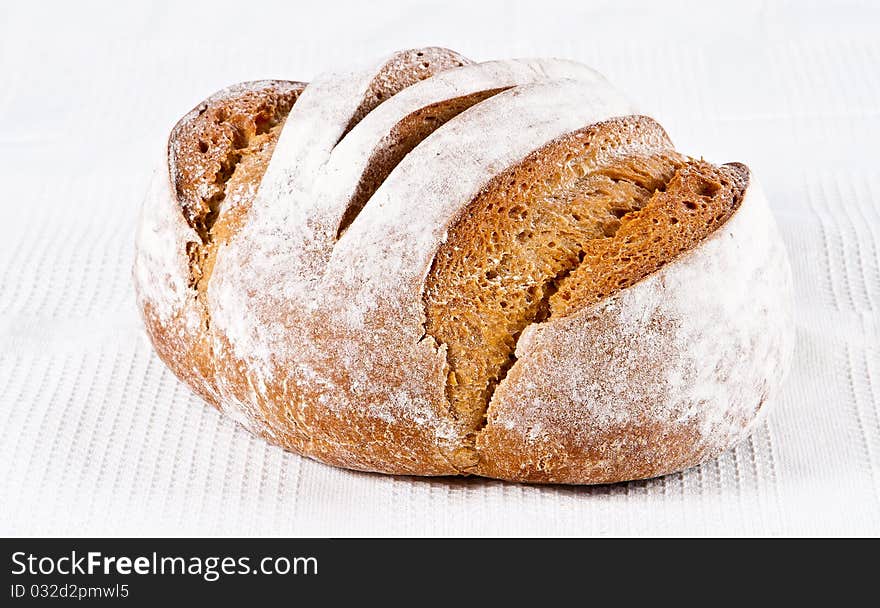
[[431, 266]]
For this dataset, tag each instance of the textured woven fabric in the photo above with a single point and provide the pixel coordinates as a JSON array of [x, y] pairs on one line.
[[97, 437]]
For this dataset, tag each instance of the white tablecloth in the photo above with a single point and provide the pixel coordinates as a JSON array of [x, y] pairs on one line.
[[98, 438]]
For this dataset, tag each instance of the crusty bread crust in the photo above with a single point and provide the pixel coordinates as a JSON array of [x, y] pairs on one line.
[[217, 155], [297, 299], [659, 376], [539, 243]]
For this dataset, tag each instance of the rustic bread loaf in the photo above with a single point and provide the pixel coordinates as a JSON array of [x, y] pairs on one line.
[[428, 266]]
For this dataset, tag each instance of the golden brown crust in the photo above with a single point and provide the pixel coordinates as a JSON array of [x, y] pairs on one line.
[[661, 448]]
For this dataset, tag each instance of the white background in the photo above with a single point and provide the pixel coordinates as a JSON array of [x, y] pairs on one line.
[[98, 438]]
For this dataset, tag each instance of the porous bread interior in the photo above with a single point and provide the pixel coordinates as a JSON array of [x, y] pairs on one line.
[[404, 137], [405, 68], [555, 233], [218, 154]]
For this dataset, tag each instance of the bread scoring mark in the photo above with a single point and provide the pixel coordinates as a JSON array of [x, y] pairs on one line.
[[402, 139], [362, 161], [375, 278], [255, 297], [271, 266], [680, 214], [222, 145], [403, 70], [530, 247], [309, 183], [657, 377]]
